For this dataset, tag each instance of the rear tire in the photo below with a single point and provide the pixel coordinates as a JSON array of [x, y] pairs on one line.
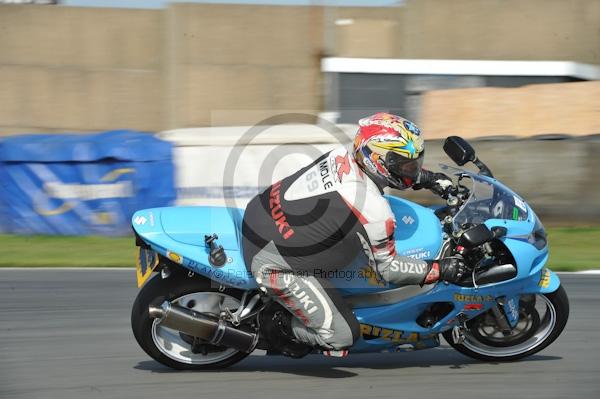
[[156, 291], [557, 299]]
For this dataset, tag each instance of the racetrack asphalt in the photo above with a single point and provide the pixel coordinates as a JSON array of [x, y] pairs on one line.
[[66, 334]]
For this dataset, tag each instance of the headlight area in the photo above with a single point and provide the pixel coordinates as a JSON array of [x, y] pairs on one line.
[[538, 237]]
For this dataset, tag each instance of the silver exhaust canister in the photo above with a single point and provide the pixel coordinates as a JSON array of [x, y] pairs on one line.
[[216, 332]]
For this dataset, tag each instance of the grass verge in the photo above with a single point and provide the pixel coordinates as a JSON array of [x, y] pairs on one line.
[[571, 249], [574, 248], [60, 251]]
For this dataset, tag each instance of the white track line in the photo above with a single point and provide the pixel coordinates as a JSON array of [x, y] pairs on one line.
[[582, 272]]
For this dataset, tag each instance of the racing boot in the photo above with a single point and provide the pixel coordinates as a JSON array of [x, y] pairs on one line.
[[276, 324]]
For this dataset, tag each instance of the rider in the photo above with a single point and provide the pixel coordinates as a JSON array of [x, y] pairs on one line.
[[325, 215]]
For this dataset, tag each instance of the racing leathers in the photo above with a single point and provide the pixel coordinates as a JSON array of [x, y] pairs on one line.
[[320, 219]]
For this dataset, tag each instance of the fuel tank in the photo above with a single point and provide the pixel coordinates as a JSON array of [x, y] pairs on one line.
[[418, 235]]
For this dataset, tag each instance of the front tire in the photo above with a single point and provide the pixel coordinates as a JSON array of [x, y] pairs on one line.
[[170, 347], [548, 326]]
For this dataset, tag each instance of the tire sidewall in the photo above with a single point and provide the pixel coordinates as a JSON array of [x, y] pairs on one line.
[[560, 302]]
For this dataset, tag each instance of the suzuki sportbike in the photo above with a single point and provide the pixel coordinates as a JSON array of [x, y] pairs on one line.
[[199, 308]]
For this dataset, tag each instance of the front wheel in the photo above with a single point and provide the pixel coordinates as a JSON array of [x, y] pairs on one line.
[[542, 319], [173, 348]]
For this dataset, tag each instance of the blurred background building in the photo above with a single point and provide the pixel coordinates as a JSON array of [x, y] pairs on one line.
[[494, 70], [66, 68]]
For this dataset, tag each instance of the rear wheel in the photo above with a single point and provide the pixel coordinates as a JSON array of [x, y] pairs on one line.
[[542, 318], [171, 347]]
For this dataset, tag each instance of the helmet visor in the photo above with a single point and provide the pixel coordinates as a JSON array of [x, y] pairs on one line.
[[404, 169]]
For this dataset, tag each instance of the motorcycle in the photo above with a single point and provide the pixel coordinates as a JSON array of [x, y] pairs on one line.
[[199, 308]]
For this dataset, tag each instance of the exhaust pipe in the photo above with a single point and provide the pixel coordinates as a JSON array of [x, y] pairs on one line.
[[217, 332]]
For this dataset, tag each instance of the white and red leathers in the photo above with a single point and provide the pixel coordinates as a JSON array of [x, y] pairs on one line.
[[321, 218]]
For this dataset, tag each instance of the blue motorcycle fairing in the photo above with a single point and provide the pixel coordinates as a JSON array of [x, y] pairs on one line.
[[548, 282], [181, 231], [182, 246], [401, 317], [418, 233], [529, 260], [189, 225]]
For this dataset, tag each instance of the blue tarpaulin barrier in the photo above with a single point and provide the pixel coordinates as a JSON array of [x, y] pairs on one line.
[[82, 184]]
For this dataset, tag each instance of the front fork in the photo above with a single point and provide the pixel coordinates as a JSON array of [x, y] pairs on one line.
[[458, 332], [504, 322]]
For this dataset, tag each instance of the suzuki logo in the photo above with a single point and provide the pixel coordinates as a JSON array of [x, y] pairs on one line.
[[139, 220], [408, 220]]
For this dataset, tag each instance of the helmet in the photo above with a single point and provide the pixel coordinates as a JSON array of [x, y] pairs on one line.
[[390, 149]]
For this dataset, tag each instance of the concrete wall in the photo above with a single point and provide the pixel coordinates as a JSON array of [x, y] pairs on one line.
[[473, 29], [89, 69], [502, 29], [256, 59], [365, 32], [79, 69]]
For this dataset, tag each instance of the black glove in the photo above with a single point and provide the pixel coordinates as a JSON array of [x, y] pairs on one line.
[[450, 269], [438, 183]]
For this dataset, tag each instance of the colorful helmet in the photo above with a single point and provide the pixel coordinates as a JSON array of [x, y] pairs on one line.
[[390, 149]]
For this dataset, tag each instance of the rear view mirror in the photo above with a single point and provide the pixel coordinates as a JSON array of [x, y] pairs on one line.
[[475, 236], [459, 150]]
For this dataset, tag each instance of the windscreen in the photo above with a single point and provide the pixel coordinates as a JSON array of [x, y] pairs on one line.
[[488, 199]]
